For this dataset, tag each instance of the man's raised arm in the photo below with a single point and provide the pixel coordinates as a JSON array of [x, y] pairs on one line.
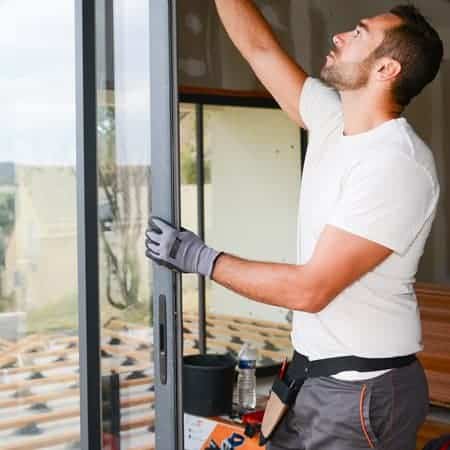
[[253, 37]]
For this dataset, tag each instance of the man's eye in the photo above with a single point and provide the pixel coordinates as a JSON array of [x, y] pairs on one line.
[[357, 32]]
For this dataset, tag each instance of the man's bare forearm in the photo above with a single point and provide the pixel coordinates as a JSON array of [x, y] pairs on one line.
[[245, 25], [284, 285]]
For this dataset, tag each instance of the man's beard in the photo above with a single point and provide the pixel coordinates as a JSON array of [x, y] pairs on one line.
[[345, 76]]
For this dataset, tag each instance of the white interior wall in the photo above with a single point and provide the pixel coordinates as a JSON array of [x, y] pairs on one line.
[[251, 209]]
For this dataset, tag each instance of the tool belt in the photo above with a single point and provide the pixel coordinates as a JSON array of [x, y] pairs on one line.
[[287, 385]]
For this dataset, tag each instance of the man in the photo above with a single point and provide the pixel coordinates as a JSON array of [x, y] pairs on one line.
[[368, 199]]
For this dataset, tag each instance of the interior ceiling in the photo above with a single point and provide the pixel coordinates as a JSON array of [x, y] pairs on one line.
[[438, 11], [304, 28]]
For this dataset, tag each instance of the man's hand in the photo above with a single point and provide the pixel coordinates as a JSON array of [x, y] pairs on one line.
[[182, 251]]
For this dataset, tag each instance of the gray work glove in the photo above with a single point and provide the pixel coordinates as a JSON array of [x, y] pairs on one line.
[[181, 250]]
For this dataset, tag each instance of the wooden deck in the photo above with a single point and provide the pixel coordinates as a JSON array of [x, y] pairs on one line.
[[39, 391], [39, 380]]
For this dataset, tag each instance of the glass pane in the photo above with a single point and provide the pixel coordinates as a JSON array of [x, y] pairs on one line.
[[253, 159], [123, 133], [189, 219], [39, 391]]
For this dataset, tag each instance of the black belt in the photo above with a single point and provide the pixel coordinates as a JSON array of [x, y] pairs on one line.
[[286, 386], [301, 367]]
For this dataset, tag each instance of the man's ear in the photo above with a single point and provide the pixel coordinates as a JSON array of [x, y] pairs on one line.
[[388, 69]]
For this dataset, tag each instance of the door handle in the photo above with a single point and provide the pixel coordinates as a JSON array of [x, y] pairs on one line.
[[162, 339]]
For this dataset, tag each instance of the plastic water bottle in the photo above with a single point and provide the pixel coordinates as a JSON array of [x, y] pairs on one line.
[[246, 382]]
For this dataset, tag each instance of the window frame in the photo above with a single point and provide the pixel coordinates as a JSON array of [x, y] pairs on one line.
[[165, 202]]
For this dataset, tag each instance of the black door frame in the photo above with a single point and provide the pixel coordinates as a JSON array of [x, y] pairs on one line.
[[165, 203]]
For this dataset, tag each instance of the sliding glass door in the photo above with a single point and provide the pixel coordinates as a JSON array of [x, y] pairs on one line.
[[89, 328], [129, 308]]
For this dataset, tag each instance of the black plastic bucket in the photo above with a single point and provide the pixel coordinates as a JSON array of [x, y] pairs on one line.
[[208, 384]]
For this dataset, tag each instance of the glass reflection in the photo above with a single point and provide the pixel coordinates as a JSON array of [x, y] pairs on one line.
[[252, 156], [39, 392], [124, 195], [189, 219]]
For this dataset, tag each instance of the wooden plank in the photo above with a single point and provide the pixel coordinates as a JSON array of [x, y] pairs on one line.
[[136, 382], [147, 399], [140, 422], [261, 330], [435, 363], [123, 336], [42, 398], [238, 320], [41, 367], [439, 387], [69, 393], [66, 378], [7, 361], [431, 429], [39, 418], [139, 355], [74, 436], [44, 441], [38, 382], [219, 330]]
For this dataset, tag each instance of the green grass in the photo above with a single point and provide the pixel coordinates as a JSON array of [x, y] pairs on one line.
[[62, 315], [7, 304], [54, 316]]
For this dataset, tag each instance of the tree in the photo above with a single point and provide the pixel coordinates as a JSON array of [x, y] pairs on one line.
[[7, 220], [120, 214]]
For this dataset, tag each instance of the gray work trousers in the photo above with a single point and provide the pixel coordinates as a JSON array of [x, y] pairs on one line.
[[383, 413]]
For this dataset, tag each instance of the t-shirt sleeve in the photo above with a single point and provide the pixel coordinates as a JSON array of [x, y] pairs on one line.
[[387, 203], [318, 103]]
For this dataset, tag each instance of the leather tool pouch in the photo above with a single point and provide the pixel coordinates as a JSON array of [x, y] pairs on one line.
[[282, 396]]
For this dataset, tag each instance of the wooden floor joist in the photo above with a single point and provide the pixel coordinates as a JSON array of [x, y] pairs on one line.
[[219, 330], [44, 441], [434, 308], [140, 422], [39, 418], [124, 342]]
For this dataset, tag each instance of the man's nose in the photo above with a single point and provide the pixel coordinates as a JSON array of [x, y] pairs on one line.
[[338, 40]]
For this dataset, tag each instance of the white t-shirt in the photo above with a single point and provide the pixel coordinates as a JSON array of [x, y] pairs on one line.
[[381, 185]]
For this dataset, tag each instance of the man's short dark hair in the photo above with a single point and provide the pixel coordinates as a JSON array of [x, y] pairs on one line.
[[416, 45]]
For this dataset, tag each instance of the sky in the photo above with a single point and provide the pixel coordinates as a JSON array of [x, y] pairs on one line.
[[37, 81]]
